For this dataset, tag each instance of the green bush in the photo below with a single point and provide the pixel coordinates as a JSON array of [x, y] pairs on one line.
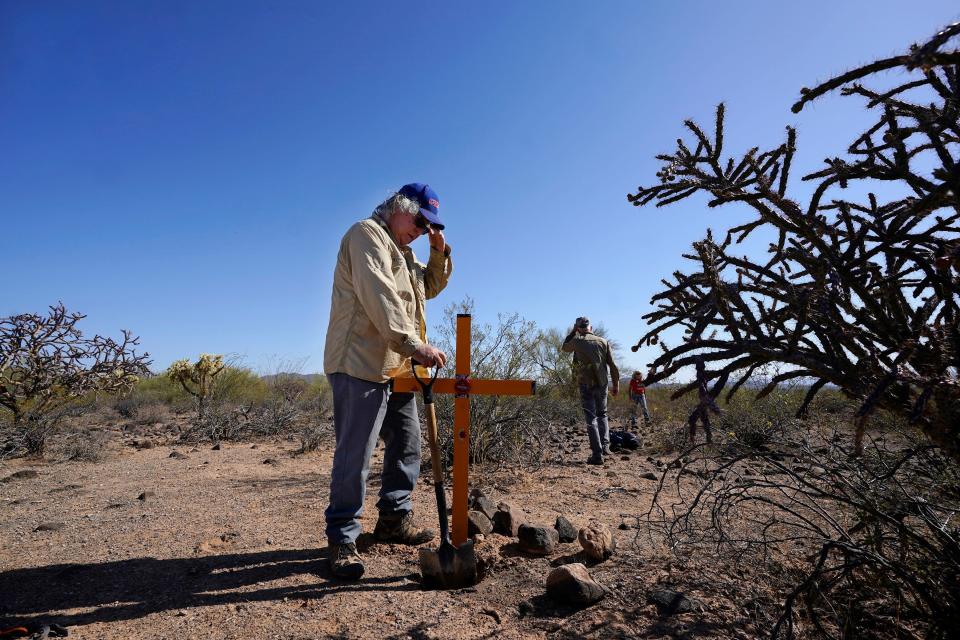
[[159, 388], [239, 385], [317, 397]]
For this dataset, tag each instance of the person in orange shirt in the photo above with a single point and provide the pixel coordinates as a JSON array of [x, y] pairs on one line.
[[638, 396]]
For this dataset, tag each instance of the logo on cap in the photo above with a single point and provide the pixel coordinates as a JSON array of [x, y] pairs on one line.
[[434, 203]]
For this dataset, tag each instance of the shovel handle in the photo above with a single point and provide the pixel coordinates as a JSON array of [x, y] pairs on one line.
[[436, 465], [432, 436], [433, 439]]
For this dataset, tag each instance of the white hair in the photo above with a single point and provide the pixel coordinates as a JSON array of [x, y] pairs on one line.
[[397, 203]]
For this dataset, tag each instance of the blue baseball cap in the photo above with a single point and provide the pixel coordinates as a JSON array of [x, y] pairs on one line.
[[428, 200]]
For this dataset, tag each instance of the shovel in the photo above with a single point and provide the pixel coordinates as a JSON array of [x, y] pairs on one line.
[[448, 567]]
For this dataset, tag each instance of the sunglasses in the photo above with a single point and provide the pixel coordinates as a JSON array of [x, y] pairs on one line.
[[421, 223]]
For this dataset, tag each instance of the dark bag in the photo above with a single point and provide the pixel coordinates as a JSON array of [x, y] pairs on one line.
[[624, 440]]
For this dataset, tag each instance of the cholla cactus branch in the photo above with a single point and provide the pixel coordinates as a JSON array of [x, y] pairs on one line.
[[856, 293]]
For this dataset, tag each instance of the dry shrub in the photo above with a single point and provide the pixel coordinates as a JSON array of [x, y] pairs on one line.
[[152, 413], [506, 429], [315, 435], [858, 546], [82, 445]]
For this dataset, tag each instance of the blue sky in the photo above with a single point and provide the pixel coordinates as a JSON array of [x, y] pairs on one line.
[[186, 170]]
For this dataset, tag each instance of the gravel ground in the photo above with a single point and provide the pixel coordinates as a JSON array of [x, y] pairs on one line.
[[229, 544]]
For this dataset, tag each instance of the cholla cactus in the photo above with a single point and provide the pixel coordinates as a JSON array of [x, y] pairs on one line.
[[46, 363], [197, 378], [856, 292]]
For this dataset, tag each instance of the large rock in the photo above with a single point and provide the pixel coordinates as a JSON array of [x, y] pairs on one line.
[[565, 530], [484, 505], [572, 584], [477, 522], [507, 520], [540, 541], [597, 541]]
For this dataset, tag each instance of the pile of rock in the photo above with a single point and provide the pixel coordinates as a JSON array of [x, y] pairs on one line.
[[569, 583]]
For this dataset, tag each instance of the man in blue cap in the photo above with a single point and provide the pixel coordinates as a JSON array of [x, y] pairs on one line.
[[377, 326]]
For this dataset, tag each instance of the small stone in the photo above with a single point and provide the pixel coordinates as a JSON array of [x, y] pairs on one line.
[[215, 447], [493, 613], [254, 446], [540, 541], [271, 461], [572, 584], [507, 520], [597, 541], [649, 475], [145, 444], [565, 529], [624, 457], [477, 522], [670, 602], [179, 456], [146, 494], [50, 526], [23, 474]]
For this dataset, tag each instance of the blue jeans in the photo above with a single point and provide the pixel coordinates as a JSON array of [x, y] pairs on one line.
[[593, 399], [363, 411], [639, 402]]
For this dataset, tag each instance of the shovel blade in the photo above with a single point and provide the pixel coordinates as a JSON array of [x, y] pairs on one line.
[[449, 567]]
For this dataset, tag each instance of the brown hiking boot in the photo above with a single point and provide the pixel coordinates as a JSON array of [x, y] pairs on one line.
[[401, 529], [345, 562]]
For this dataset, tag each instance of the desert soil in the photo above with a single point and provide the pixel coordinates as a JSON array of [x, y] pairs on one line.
[[229, 544]]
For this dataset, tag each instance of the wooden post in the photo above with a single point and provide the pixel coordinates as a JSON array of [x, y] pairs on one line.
[[461, 432]]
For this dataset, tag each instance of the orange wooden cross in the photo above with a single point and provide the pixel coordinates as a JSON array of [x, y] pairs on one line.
[[463, 387]]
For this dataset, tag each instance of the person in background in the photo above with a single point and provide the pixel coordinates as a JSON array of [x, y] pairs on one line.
[[592, 360], [638, 396]]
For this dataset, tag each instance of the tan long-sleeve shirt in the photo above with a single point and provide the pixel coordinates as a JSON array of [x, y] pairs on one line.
[[378, 310]]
